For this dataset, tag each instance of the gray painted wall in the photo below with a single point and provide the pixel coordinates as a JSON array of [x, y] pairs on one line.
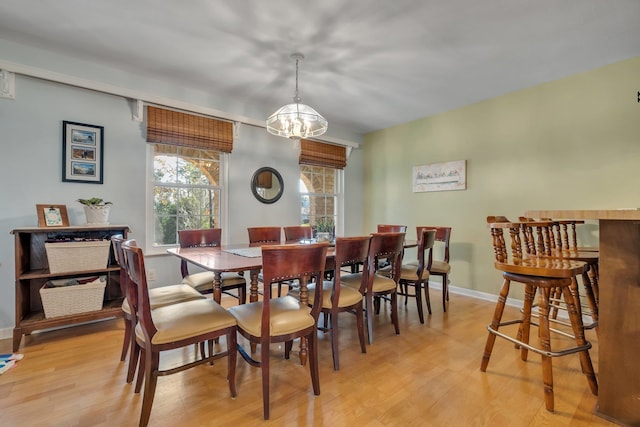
[[30, 173]]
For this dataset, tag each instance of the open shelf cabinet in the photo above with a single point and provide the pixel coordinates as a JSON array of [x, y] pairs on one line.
[[32, 272]]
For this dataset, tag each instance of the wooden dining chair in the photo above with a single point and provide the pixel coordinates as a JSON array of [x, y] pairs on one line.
[[172, 327], [203, 281], [296, 233], [391, 228], [523, 263], [388, 246], [261, 235], [338, 298], [439, 265], [158, 297], [286, 318], [417, 275]]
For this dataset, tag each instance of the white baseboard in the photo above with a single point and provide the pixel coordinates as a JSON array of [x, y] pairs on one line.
[[6, 333], [475, 294]]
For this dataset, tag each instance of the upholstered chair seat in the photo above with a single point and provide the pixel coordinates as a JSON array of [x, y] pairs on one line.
[[203, 281], [167, 295], [348, 295], [182, 321], [287, 316], [381, 281]]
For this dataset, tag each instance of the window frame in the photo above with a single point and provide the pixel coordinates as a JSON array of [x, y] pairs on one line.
[[339, 196], [150, 248]]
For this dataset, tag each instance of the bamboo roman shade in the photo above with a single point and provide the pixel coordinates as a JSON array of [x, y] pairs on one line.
[[320, 154], [187, 130]]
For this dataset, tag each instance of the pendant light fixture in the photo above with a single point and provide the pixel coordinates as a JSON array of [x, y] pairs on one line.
[[297, 120]]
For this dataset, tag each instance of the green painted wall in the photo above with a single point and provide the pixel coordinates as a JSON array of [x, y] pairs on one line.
[[573, 143]]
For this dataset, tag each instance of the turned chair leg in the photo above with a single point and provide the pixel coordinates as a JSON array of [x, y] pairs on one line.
[[495, 324]]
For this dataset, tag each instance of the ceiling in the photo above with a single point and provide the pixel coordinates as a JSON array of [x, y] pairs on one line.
[[370, 64]]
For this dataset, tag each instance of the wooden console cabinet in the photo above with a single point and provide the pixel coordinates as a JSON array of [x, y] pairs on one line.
[[32, 271]]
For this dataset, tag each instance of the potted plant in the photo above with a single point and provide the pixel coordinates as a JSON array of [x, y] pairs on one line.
[[96, 210], [324, 229]]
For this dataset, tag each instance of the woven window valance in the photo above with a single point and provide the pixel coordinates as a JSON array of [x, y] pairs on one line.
[[187, 130], [320, 154]]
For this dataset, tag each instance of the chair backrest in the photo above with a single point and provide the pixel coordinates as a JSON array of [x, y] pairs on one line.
[[538, 237], [197, 238], [350, 251], [390, 228], [200, 237], [139, 291], [118, 253], [264, 234], [304, 262], [388, 246], [426, 239], [528, 239], [502, 251], [565, 233], [295, 233], [527, 248], [443, 236]]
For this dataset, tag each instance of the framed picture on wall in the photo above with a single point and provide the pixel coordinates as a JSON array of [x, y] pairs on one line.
[[440, 176], [52, 216], [82, 152]]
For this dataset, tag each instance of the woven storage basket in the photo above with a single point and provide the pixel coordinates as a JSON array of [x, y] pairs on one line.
[[77, 256], [65, 300]]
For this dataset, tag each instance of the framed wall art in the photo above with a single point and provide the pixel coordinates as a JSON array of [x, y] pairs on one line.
[[82, 152], [440, 176], [52, 216]]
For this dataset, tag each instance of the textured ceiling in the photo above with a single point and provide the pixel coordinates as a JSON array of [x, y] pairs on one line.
[[369, 64]]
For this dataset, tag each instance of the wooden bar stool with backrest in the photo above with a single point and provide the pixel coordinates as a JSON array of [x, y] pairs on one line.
[[383, 246], [286, 318], [541, 275], [562, 245], [339, 298], [172, 327], [203, 281], [158, 297], [417, 275]]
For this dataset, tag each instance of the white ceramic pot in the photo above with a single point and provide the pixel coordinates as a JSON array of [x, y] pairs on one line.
[[97, 214], [323, 236]]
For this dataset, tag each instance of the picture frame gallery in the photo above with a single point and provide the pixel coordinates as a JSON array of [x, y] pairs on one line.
[[82, 153]]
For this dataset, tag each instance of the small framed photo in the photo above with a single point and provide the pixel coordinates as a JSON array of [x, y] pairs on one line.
[[82, 152], [52, 216]]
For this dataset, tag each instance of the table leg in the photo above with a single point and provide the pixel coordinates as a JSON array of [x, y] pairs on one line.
[[217, 286], [253, 287], [253, 296]]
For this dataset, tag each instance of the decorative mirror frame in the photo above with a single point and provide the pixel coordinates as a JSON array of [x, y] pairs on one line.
[[254, 185]]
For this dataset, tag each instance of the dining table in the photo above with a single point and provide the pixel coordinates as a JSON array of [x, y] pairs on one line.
[[618, 309], [246, 257], [239, 258]]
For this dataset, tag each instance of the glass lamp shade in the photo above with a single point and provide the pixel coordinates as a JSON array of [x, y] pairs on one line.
[[296, 121]]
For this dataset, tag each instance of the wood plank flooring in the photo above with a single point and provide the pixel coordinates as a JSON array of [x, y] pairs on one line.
[[427, 376]]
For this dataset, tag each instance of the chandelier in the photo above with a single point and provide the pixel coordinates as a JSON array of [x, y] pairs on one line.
[[296, 120]]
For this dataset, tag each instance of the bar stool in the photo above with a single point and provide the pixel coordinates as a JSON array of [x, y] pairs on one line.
[[557, 240], [541, 275]]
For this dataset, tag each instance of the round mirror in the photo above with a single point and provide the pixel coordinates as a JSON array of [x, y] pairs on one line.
[[267, 185]]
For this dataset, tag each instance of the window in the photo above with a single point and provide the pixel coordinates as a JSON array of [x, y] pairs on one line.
[[319, 193], [187, 191]]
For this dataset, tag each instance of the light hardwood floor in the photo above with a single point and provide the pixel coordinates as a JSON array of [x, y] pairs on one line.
[[427, 376]]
